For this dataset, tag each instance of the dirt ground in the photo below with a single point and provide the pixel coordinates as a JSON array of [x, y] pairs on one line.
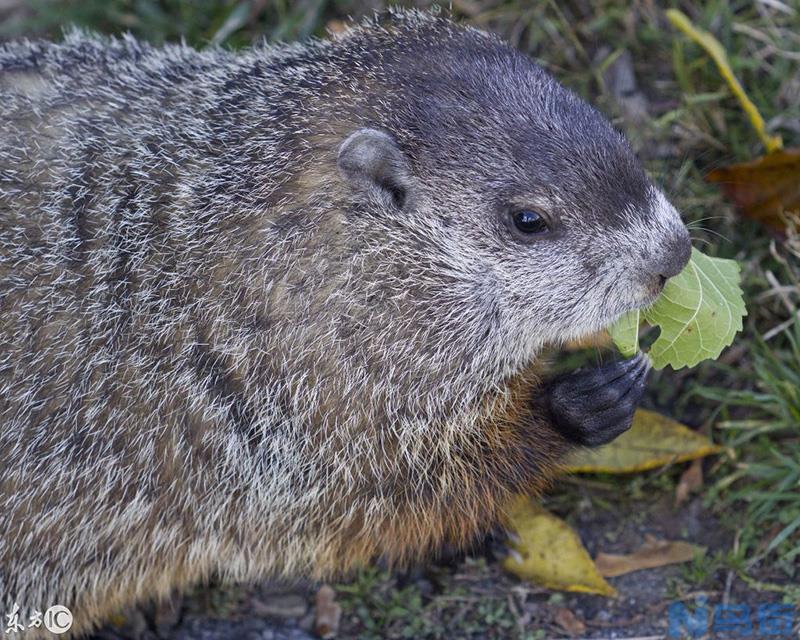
[[469, 596]]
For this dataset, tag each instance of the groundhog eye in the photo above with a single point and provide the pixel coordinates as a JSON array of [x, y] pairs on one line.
[[529, 222]]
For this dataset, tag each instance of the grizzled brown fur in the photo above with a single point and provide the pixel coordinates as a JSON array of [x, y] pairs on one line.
[[219, 355]]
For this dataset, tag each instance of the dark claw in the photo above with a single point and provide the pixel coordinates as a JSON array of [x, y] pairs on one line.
[[593, 407]]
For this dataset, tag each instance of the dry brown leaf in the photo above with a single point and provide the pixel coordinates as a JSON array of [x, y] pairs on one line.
[[653, 553], [326, 622], [569, 622], [763, 189], [691, 480]]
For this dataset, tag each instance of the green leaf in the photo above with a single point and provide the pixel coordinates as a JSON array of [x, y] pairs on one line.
[[625, 333], [699, 312]]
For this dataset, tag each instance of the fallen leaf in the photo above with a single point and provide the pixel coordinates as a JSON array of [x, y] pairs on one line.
[[569, 622], [691, 480], [653, 553], [764, 189], [718, 55], [326, 621], [652, 441], [548, 552]]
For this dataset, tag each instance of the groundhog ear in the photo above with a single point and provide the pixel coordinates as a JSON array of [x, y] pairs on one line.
[[371, 161]]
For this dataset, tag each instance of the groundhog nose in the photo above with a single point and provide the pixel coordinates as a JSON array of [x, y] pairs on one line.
[[674, 256]]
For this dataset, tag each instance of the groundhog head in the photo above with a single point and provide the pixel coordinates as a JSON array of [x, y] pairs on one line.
[[540, 214]]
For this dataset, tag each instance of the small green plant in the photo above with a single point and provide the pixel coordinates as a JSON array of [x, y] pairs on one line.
[[383, 609], [765, 478], [705, 570]]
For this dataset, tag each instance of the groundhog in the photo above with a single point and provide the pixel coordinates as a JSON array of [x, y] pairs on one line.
[[278, 312]]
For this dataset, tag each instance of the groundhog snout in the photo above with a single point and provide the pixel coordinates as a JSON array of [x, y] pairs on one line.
[[672, 256]]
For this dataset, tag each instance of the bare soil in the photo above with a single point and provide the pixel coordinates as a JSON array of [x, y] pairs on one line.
[[469, 595]]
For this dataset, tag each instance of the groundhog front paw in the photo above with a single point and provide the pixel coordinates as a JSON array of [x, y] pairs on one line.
[[592, 407]]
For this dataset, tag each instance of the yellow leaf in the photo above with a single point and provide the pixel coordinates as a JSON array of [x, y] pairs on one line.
[[653, 553], [549, 553], [652, 441], [717, 53]]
